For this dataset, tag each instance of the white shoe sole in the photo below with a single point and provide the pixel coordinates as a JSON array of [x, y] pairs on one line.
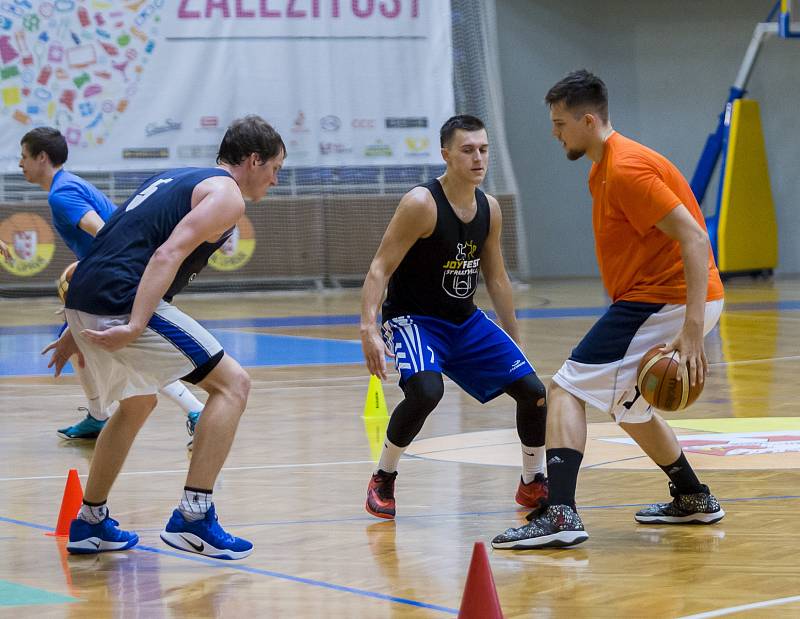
[[93, 545], [554, 540], [194, 544], [699, 518]]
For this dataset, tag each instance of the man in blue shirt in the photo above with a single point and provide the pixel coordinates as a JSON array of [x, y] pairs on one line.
[[79, 210]]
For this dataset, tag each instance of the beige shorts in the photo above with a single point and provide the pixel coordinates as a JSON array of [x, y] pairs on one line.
[[601, 370], [173, 346]]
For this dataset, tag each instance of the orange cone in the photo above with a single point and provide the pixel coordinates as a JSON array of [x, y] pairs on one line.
[[480, 599], [70, 504]]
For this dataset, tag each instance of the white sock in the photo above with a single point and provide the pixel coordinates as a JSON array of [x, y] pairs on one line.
[[93, 407], [195, 503], [533, 462], [90, 390], [390, 456], [178, 393], [93, 513]]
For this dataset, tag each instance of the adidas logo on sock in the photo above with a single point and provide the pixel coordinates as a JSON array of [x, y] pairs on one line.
[[555, 460]]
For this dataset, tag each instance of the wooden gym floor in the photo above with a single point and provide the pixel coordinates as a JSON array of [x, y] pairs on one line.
[[295, 480]]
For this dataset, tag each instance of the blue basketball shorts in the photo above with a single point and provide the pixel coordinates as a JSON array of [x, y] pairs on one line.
[[477, 355]]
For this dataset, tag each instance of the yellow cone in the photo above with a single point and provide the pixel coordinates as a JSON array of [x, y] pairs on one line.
[[375, 405], [376, 417]]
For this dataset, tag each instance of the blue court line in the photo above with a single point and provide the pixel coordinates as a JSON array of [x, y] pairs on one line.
[[353, 319], [19, 353], [254, 570]]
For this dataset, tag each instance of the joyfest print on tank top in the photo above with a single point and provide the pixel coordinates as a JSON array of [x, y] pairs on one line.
[[460, 277]]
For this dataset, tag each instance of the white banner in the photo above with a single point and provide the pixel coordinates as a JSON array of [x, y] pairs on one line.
[[142, 84]]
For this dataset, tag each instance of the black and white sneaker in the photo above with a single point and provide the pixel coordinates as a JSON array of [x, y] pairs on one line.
[[697, 508], [553, 527]]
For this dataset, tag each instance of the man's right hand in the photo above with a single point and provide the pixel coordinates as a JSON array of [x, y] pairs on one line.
[[375, 351]]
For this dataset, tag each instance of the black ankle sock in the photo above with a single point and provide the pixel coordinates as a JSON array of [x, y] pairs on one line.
[[683, 476], [562, 475]]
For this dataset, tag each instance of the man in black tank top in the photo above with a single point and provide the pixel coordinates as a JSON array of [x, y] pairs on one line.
[[443, 234], [134, 341]]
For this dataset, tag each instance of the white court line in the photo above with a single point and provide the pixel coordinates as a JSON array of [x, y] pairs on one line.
[[735, 609], [755, 361], [231, 468]]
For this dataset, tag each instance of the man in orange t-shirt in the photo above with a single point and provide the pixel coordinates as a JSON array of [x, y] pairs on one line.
[[656, 264]]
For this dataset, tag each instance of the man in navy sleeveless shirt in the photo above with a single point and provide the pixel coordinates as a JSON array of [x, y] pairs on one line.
[[134, 341], [78, 212], [442, 236]]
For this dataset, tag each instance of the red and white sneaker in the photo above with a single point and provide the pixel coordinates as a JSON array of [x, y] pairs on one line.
[[380, 495], [532, 495]]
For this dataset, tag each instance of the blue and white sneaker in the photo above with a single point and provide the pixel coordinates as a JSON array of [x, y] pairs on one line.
[[89, 539], [204, 537], [191, 423], [88, 427]]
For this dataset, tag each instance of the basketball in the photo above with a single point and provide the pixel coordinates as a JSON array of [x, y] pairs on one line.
[[657, 379], [63, 281]]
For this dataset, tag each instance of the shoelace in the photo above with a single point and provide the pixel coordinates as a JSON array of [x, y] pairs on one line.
[[386, 489]]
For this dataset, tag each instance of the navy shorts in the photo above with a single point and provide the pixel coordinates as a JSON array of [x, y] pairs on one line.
[[477, 355]]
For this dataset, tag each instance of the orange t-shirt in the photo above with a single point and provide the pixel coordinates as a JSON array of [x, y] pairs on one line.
[[633, 188]]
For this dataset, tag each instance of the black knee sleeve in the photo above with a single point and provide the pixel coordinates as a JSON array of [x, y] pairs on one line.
[[423, 392], [531, 397]]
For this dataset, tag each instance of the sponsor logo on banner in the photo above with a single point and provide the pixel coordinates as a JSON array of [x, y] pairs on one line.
[[198, 151], [378, 149], [30, 239], [409, 122], [417, 147], [363, 123], [299, 123], [237, 250], [160, 152], [334, 148], [330, 123], [167, 125], [209, 122]]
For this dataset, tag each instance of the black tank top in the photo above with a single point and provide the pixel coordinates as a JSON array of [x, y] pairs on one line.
[[107, 278], [439, 274]]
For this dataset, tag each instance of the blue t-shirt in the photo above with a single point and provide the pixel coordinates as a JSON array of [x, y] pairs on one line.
[[70, 199]]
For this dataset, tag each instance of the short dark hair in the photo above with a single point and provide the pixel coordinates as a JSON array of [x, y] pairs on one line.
[[49, 140], [248, 135], [464, 122], [580, 91]]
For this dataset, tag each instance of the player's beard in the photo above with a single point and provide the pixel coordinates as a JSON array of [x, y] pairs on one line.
[[574, 155]]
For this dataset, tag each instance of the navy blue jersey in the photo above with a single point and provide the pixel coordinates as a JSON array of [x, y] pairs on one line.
[[439, 274], [107, 278]]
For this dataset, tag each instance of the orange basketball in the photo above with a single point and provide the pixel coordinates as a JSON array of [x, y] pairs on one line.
[[63, 281], [657, 379]]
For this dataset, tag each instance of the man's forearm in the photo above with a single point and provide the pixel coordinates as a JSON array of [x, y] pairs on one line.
[[695, 265], [371, 297], [155, 282], [503, 302]]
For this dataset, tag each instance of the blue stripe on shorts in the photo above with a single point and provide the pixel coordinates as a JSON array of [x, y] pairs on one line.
[[179, 338]]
